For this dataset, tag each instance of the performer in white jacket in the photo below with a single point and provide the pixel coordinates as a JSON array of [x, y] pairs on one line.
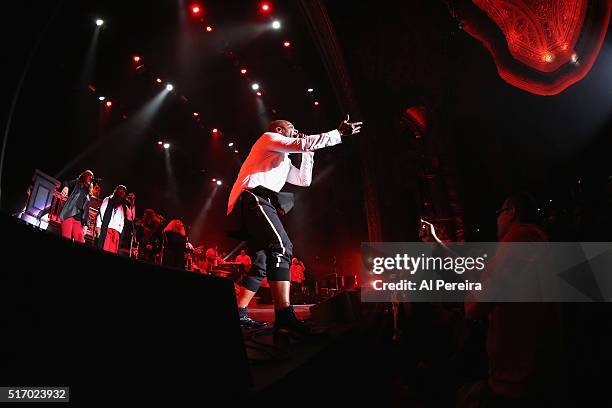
[[114, 211], [255, 200]]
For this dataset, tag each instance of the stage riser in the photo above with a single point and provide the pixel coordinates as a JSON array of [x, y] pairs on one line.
[[73, 315]]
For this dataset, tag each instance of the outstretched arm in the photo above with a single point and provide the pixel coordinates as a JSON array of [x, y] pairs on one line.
[[284, 144], [280, 143]]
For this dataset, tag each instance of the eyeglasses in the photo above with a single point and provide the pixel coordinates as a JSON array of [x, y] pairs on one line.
[[501, 210]]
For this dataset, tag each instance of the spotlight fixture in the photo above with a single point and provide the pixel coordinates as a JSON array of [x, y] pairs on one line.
[[215, 131], [214, 180], [230, 144], [310, 90], [169, 87], [258, 93], [159, 142], [196, 114], [109, 104], [136, 58], [276, 24], [316, 103], [287, 44], [219, 182], [99, 22], [196, 9], [235, 151], [255, 86], [101, 98], [166, 145], [243, 71], [158, 80], [209, 29], [265, 7]]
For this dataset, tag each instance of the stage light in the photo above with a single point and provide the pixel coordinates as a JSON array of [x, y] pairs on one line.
[[136, 58], [310, 90], [265, 7], [548, 57], [169, 87], [574, 58], [196, 114], [258, 93], [159, 142], [209, 29], [214, 180], [243, 71], [99, 22], [255, 86], [235, 151], [215, 131], [276, 24], [230, 144], [219, 182], [195, 9], [158, 80], [166, 145], [109, 104], [101, 98], [316, 103], [287, 44]]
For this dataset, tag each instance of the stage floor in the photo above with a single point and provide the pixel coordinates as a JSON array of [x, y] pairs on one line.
[[265, 313]]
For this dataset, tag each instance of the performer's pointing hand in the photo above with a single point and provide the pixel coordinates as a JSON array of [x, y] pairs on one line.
[[347, 128]]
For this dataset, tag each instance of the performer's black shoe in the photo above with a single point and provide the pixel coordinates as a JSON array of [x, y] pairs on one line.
[[285, 321], [246, 321]]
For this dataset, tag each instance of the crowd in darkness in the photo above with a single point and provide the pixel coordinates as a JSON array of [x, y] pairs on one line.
[[583, 217], [556, 351]]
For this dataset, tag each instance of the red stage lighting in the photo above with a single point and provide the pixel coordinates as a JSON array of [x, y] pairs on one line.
[[196, 9], [136, 58], [287, 44], [243, 71], [158, 80], [258, 93], [109, 104], [316, 103], [215, 131], [265, 7], [196, 114], [209, 29]]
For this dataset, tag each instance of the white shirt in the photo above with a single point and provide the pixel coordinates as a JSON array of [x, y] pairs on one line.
[[117, 218], [268, 164]]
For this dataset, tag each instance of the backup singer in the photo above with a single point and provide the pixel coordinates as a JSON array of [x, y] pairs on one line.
[[75, 212], [114, 211], [255, 205], [175, 245], [149, 236]]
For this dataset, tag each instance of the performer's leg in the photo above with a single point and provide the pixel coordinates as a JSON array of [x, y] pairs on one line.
[[280, 293], [249, 286], [66, 228], [252, 280], [77, 231], [111, 243]]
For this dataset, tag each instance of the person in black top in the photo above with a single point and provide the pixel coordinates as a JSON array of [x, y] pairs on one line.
[[75, 211], [175, 245], [149, 236]]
